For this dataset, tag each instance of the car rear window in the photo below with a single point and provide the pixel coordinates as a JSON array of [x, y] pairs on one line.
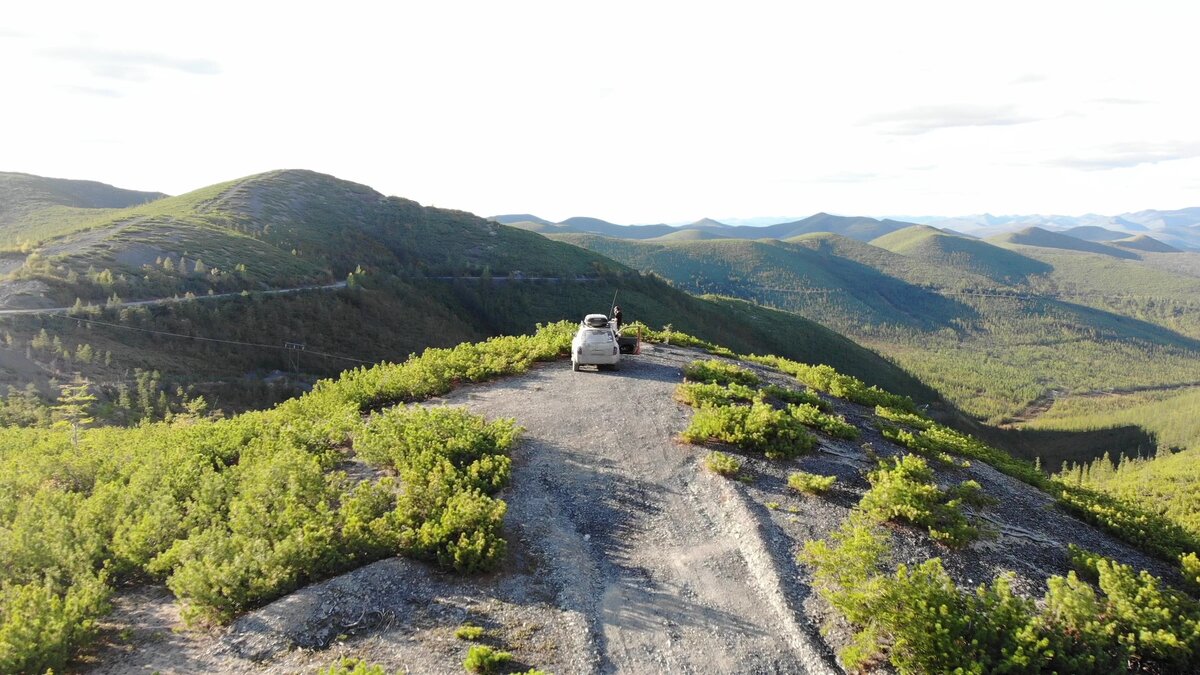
[[597, 335]]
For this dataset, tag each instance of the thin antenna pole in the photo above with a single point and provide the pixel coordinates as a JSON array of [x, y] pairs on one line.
[[613, 306]]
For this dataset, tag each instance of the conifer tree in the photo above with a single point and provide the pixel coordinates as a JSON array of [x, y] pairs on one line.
[[73, 409]]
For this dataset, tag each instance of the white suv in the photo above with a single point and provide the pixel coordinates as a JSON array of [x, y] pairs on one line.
[[595, 344]]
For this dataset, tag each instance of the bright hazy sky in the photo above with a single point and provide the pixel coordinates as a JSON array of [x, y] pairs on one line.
[[634, 112]]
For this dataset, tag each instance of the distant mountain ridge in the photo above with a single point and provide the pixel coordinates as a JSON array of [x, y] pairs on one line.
[[1177, 228], [856, 227], [1171, 230]]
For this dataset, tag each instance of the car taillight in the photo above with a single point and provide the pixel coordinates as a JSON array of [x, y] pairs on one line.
[[615, 350]]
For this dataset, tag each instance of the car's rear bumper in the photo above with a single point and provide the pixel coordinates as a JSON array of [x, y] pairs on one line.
[[596, 359]]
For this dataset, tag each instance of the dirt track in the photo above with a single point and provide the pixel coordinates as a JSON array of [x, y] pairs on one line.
[[645, 546]]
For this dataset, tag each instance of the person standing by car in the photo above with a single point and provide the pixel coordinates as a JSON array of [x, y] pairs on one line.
[[616, 315]]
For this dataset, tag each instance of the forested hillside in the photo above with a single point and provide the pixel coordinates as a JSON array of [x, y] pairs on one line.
[[416, 277], [1001, 330]]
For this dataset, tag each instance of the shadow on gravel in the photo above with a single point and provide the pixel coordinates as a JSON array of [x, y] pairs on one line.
[[599, 508], [633, 368]]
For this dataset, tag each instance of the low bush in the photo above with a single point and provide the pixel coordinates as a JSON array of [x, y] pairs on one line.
[[669, 336], [925, 624], [758, 427], [811, 416], [468, 632], [349, 666], [907, 418], [827, 379], [810, 483], [796, 396], [722, 464], [1189, 566], [720, 372], [699, 394], [481, 659], [903, 489]]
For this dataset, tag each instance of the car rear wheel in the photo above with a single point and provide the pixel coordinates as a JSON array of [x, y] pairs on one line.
[[575, 366]]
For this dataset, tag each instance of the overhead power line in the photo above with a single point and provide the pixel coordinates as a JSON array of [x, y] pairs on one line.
[[201, 338]]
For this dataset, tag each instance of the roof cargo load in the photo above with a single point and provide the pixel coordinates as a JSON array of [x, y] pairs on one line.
[[596, 320]]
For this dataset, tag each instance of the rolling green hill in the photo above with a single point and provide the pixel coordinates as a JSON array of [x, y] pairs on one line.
[[418, 277], [1143, 242], [995, 328], [937, 248], [1036, 236]]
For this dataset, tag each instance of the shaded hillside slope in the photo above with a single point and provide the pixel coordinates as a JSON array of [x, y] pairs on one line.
[[34, 208]]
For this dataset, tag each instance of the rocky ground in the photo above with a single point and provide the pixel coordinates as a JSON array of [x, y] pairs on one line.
[[625, 556]]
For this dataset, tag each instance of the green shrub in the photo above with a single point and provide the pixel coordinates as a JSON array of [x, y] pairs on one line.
[[669, 336], [1189, 566], [699, 394], [811, 416], [797, 396], [907, 418], [720, 372], [41, 622], [722, 464], [825, 378], [482, 659], [350, 666], [468, 632], [810, 483], [903, 489], [925, 624], [758, 427]]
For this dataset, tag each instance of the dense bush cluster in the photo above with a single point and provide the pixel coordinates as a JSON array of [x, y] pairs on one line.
[[904, 489], [827, 379], [773, 421], [236, 512], [758, 427], [437, 371], [720, 372], [450, 462], [925, 624], [700, 394], [836, 426]]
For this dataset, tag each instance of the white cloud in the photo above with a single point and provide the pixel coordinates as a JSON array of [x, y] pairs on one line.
[[927, 118], [1126, 155], [634, 112]]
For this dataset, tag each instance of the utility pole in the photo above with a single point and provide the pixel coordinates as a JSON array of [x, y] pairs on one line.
[[293, 352]]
